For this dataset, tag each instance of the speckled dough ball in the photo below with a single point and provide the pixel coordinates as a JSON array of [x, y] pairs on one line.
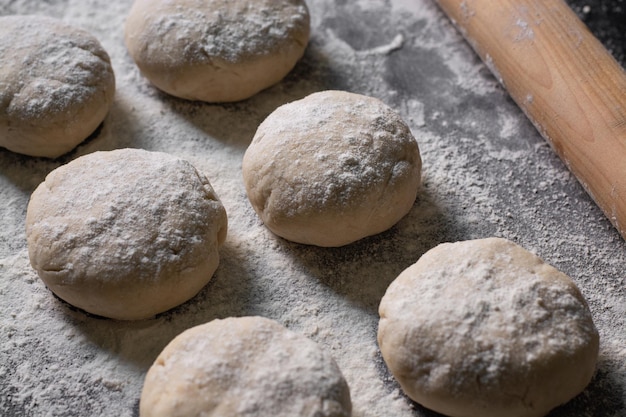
[[216, 50], [484, 328], [332, 168], [244, 367], [56, 85], [125, 234]]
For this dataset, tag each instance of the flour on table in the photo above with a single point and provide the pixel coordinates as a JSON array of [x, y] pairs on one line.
[[477, 182]]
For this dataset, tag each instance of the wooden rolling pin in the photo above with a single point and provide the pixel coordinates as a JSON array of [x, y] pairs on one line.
[[566, 82]]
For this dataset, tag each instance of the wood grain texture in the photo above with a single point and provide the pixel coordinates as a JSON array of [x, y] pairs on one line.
[[566, 82]]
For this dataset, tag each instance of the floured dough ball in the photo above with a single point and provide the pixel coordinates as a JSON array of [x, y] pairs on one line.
[[216, 50], [244, 367], [125, 234], [332, 168], [56, 85], [484, 328]]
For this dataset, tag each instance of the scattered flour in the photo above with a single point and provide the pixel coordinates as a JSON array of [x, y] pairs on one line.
[[484, 175]]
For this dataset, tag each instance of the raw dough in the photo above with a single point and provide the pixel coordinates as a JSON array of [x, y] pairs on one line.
[[246, 366], [125, 234], [56, 85], [484, 328], [332, 168], [216, 50]]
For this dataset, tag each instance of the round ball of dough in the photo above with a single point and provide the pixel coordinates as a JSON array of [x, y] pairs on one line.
[[484, 328], [125, 234], [246, 366], [332, 168], [56, 85], [216, 50]]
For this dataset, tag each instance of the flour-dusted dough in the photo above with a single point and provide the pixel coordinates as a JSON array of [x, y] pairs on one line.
[[125, 234], [332, 168], [56, 85], [244, 367], [216, 50], [484, 328]]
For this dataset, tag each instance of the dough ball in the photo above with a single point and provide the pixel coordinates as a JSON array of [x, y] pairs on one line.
[[246, 366], [125, 234], [484, 328], [332, 168], [216, 50], [56, 85]]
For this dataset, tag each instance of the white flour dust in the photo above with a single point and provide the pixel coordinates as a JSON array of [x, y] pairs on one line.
[[486, 172]]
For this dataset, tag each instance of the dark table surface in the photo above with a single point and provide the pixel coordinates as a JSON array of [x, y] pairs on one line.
[[487, 172]]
